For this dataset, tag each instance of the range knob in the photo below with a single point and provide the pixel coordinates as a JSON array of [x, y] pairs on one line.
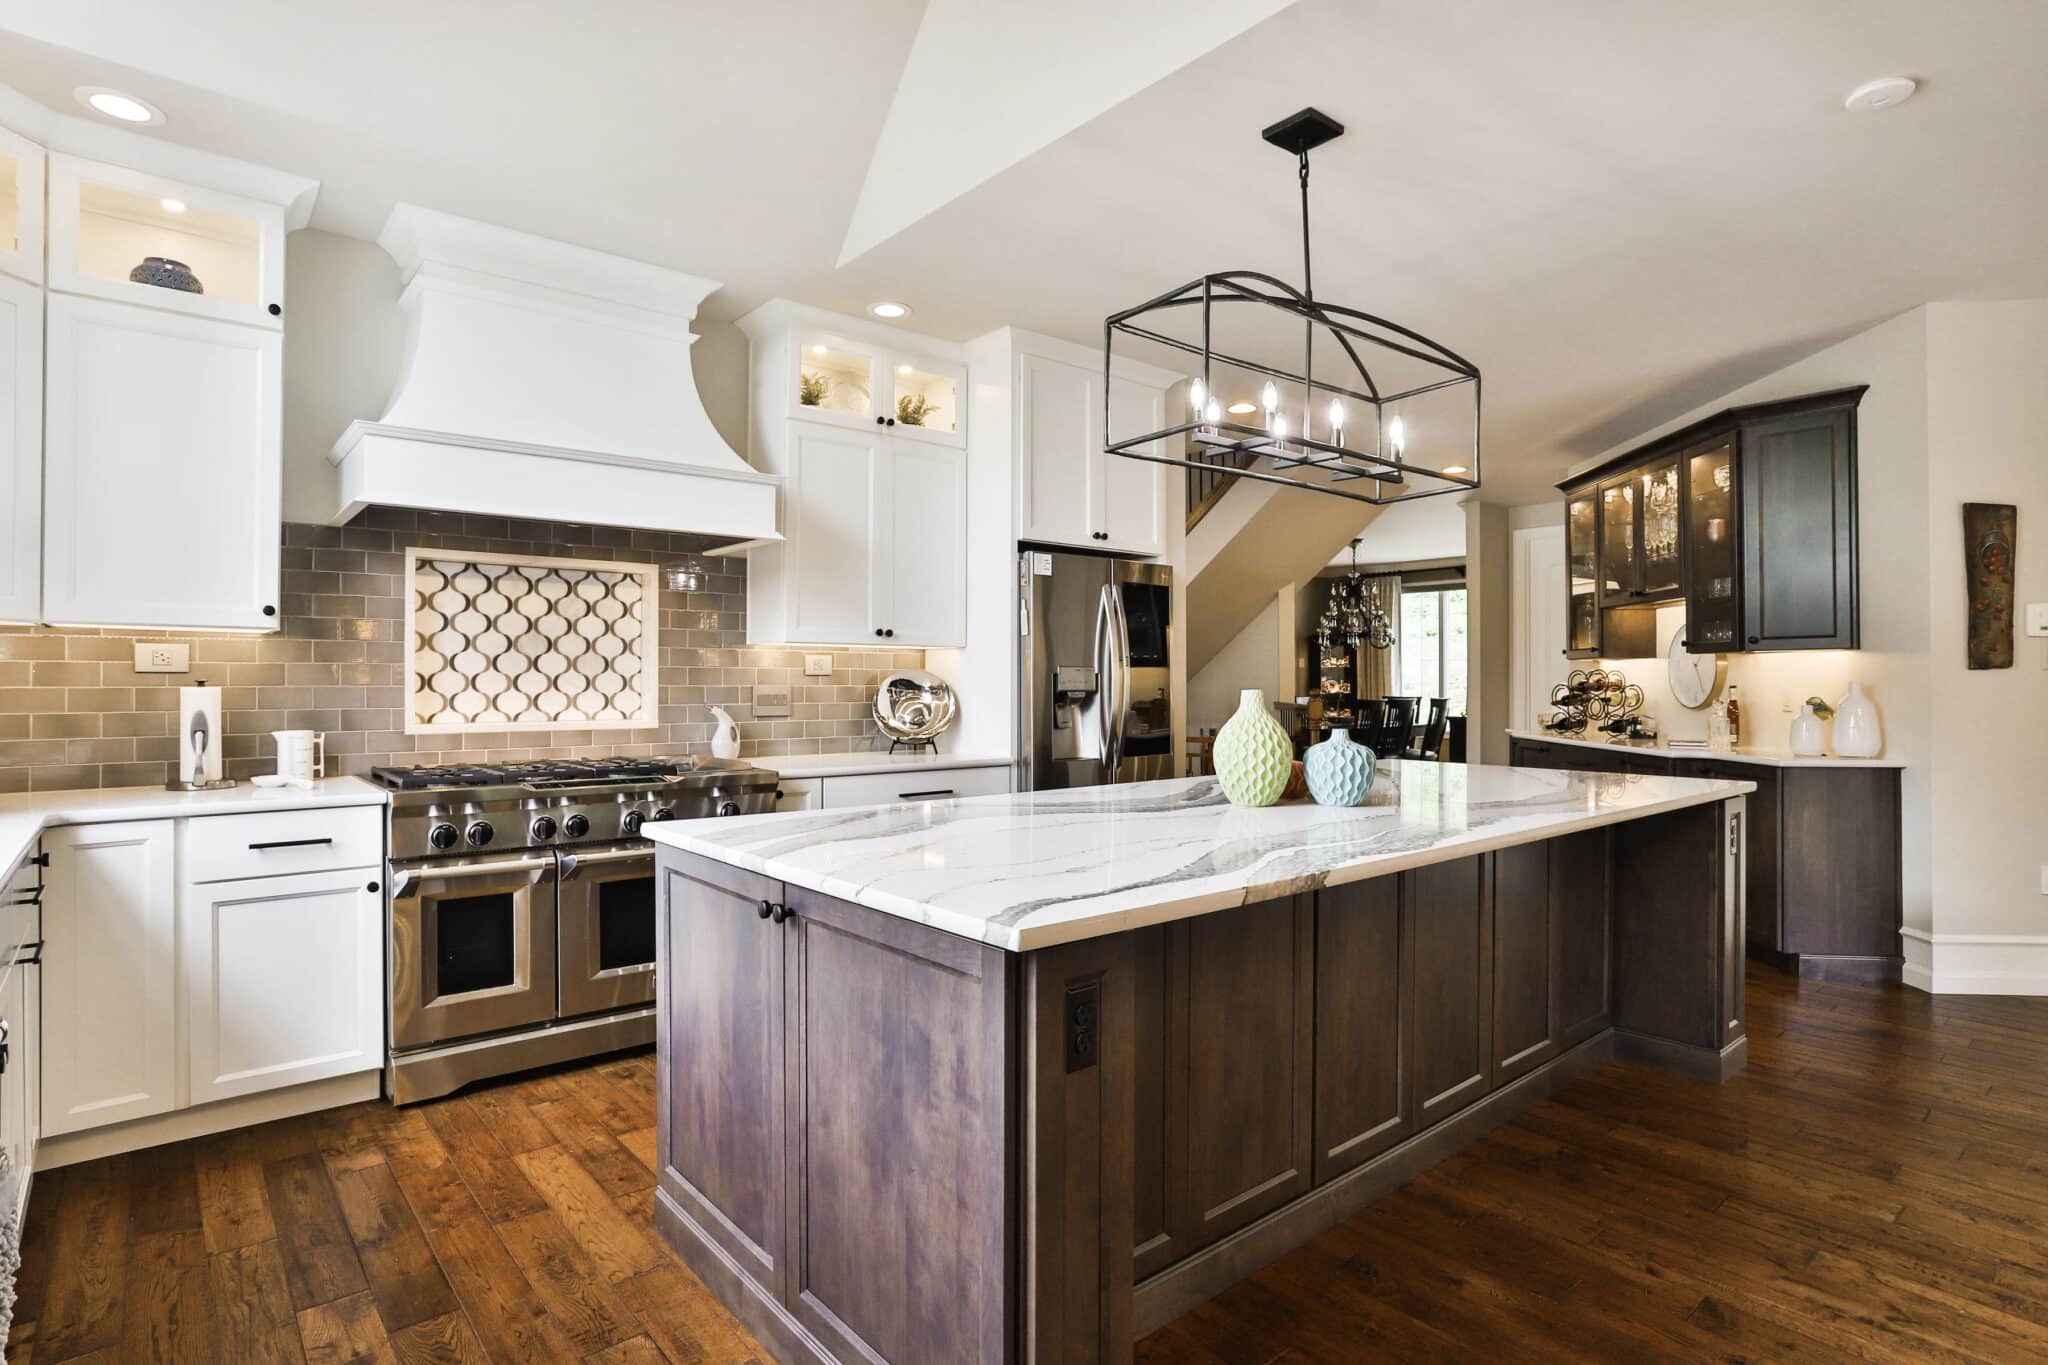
[[633, 821], [544, 827], [576, 826], [664, 813], [728, 808], [480, 833], [443, 836]]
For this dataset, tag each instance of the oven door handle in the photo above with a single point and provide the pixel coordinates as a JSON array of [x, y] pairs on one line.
[[533, 867], [572, 863]]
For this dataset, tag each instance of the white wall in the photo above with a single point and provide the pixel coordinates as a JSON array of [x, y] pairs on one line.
[[1261, 655], [1489, 633], [1427, 528]]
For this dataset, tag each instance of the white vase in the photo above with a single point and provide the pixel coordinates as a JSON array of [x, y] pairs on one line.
[[1857, 731], [1809, 740]]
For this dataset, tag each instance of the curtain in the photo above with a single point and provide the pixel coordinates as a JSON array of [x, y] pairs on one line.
[[1376, 666]]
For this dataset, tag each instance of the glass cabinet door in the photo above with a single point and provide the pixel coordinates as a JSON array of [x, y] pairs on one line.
[[21, 207], [835, 380], [1582, 573], [1658, 503], [925, 399], [134, 238], [1713, 613], [1620, 571]]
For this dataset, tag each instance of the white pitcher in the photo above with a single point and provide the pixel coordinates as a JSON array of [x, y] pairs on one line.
[[725, 740], [301, 754]]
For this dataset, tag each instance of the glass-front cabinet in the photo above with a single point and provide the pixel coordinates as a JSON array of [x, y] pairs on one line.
[[834, 380], [21, 207], [137, 238], [851, 382], [1621, 572], [1657, 510], [1582, 569], [1713, 609], [926, 398], [1638, 543]]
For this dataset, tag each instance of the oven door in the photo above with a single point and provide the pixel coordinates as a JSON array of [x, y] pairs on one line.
[[607, 930], [472, 947]]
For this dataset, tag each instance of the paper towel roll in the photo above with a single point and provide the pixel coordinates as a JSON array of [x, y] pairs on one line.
[[199, 738]]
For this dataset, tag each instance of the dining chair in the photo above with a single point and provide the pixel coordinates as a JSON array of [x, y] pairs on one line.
[[1396, 720], [1431, 744]]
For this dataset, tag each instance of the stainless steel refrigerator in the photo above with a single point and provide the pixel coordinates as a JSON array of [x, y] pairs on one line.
[[1096, 693]]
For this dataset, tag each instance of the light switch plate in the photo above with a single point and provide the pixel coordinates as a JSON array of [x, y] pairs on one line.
[[163, 657], [2037, 618], [817, 665], [770, 700]]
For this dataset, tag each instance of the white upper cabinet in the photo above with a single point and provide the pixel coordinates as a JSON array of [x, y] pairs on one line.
[[21, 207], [162, 473], [867, 425], [21, 450], [1069, 491], [132, 237]]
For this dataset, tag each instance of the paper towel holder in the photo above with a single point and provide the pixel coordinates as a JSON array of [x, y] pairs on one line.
[[199, 742]]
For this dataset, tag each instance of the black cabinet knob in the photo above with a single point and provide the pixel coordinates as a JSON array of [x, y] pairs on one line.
[[890, 633], [270, 611], [778, 913], [374, 887], [881, 421], [878, 632], [764, 909], [276, 309], [1752, 639], [892, 421]]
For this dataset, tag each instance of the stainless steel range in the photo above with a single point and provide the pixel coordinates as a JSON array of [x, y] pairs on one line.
[[522, 908]]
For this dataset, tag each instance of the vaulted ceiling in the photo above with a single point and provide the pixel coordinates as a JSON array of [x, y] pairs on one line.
[[1617, 210]]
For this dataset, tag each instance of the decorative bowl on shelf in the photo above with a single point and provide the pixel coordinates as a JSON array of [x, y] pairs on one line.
[[913, 706], [164, 273]]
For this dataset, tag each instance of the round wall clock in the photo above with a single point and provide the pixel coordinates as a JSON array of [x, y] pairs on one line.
[[1692, 675]]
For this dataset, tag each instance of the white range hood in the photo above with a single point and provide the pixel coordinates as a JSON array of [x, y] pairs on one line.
[[546, 381]]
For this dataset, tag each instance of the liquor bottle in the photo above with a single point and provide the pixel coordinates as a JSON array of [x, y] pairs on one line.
[[1734, 718]]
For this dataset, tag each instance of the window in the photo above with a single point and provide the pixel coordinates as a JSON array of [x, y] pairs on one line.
[[1432, 645]]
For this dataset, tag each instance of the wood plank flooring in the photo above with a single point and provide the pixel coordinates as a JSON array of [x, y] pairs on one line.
[[1874, 1187]]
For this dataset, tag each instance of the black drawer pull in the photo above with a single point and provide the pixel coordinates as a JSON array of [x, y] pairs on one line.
[[919, 796], [290, 843]]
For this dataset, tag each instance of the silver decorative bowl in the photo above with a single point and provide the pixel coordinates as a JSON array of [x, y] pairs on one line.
[[912, 704], [165, 273]]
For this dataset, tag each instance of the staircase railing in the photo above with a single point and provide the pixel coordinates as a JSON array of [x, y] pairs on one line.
[[1207, 485]]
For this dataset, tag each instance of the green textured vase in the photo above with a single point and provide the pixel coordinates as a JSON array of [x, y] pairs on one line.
[[1254, 757]]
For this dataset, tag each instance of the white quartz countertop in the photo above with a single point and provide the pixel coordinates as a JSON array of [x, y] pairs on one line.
[[1775, 758], [849, 765], [1033, 869], [24, 816]]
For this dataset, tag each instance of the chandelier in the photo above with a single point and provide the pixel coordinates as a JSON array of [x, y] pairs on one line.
[[1355, 616], [1299, 432]]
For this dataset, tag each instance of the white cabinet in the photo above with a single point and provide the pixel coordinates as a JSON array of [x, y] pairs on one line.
[[132, 237], [162, 473], [110, 965], [913, 784], [283, 980], [1069, 491], [20, 1055], [21, 449], [920, 587], [22, 166]]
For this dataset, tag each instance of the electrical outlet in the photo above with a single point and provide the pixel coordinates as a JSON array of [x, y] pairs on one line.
[[770, 701], [160, 657], [817, 665], [2037, 618]]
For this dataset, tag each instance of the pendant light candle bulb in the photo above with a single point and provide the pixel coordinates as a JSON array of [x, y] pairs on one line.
[[1195, 394], [1213, 413], [1278, 425], [1336, 422], [1396, 437], [1270, 397]]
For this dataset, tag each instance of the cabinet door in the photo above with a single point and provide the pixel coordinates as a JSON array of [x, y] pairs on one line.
[[1451, 1043], [1247, 1087], [896, 1039], [1798, 480], [110, 971], [927, 401], [720, 1123], [835, 496], [18, 1040], [1579, 877], [1525, 1004], [22, 166], [1059, 418], [283, 980], [1133, 491], [160, 505], [921, 570], [21, 450], [1364, 1102], [1582, 575], [837, 380], [1713, 564], [1658, 511], [1621, 571]]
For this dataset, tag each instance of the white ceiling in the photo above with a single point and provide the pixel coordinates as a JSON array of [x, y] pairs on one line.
[[1616, 210]]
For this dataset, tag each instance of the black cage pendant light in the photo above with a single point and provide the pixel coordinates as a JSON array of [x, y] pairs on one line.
[[1411, 434]]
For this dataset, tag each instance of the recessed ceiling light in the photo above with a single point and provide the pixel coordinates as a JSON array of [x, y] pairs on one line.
[[817, 350], [1240, 407], [172, 205], [1881, 93], [887, 309], [1456, 469], [903, 369], [116, 105]]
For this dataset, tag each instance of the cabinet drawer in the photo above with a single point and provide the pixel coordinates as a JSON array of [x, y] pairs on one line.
[[867, 789], [274, 843], [798, 793]]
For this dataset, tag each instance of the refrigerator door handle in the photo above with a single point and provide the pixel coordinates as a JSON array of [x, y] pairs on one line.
[[1105, 672], [1118, 672]]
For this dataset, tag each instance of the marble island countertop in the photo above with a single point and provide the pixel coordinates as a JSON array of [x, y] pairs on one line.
[[1033, 869], [873, 761], [1776, 758]]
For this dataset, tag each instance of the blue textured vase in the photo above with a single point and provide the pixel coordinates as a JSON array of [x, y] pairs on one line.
[[1339, 772]]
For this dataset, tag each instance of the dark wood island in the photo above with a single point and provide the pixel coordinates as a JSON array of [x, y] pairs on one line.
[[1018, 1078]]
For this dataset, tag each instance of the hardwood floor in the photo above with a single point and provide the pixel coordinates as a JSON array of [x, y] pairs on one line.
[[1875, 1186]]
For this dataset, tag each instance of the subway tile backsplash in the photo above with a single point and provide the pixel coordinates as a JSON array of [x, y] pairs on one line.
[[74, 713]]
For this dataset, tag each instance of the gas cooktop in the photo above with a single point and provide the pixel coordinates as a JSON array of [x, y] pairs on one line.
[[541, 772]]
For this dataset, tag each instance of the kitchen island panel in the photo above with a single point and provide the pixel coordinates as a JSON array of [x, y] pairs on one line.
[[1452, 1040], [1364, 1000]]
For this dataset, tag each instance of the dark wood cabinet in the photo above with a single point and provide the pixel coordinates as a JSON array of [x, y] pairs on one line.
[[1364, 1001], [1451, 1045], [1822, 879], [1581, 895], [1525, 965], [1749, 516]]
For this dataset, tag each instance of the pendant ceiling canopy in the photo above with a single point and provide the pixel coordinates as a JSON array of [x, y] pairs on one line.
[[1296, 391]]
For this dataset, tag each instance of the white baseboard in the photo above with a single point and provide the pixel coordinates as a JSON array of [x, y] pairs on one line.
[[241, 1112], [1976, 964]]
